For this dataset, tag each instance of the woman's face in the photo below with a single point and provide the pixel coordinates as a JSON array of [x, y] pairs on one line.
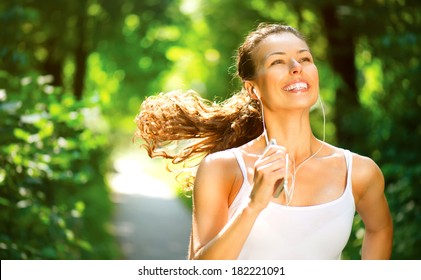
[[286, 75]]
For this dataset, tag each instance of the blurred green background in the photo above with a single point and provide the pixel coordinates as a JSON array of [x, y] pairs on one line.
[[74, 73]]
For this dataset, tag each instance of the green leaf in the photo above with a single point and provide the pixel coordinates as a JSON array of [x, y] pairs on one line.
[[4, 201], [21, 134]]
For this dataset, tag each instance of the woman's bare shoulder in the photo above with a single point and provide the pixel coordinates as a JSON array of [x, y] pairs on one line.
[[366, 176], [219, 161], [365, 171], [216, 176], [218, 166], [224, 156]]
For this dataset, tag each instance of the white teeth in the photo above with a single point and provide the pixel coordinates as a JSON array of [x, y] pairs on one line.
[[296, 86]]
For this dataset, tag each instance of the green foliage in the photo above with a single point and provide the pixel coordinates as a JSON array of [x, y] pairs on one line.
[[398, 139], [51, 184], [388, 64], [52, 146]]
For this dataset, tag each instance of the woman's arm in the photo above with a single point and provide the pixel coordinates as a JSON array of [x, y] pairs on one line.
[[213, 236], [368, 182]]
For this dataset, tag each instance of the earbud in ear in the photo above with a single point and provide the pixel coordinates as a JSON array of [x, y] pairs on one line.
[[255, 92]]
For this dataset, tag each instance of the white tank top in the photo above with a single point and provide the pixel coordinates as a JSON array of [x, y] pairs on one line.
[[290, 232]]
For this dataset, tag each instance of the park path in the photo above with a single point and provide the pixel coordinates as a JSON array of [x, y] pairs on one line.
[[150, 223]]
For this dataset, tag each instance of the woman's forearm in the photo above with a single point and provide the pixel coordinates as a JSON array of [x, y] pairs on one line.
[[377, 245], [228, 243]]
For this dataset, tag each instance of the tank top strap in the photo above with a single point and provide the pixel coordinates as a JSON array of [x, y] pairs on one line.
[[241, 162], [245, 188], [348, 159]]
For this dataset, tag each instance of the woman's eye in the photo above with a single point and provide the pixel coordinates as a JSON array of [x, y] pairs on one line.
[[305, 59], [278, 61]]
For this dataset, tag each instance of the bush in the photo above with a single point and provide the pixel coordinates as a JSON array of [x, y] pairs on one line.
[[53, 198]]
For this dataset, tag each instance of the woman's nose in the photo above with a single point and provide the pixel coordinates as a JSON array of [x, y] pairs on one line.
[[295, 67]]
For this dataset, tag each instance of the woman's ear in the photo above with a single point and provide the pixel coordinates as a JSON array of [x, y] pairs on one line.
[[250, 88]]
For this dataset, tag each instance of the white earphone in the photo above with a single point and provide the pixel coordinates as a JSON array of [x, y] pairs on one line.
[[255, 92]]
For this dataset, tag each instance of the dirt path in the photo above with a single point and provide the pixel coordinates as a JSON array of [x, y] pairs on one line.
[[150, 222]]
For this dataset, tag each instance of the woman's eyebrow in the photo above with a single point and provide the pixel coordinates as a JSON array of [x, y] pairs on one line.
[[274, 53], [283, 53], [304, 50]]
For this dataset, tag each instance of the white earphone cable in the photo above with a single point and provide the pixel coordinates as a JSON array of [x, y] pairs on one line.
[[289, 193], [263, 118], [310, 157]]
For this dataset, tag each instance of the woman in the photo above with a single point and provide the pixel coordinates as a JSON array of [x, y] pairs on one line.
[[237, 213]]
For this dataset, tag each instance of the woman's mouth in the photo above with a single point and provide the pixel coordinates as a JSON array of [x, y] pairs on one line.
[[295, 87]]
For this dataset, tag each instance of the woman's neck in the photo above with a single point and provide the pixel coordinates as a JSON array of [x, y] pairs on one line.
[[295, 134]]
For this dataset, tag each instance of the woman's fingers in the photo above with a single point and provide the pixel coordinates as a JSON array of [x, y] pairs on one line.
[[273, 158], [269, 169]]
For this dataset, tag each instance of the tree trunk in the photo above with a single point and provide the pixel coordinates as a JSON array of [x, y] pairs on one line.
[[341, 53], [53, 65], [81, 55]]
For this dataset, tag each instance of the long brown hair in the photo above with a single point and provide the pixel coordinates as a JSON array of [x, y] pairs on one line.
[[207, 127]]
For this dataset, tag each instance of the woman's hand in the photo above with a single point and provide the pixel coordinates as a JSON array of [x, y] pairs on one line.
[[269, 170]]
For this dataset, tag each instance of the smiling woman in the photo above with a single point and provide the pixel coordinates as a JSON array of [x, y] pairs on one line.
[[284, 64], [235, 212]]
